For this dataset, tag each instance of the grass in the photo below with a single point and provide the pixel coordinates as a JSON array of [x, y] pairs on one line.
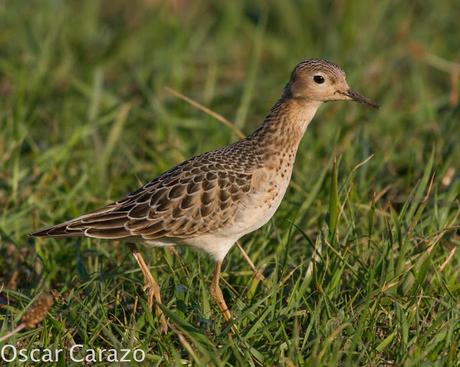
[[362, 256]]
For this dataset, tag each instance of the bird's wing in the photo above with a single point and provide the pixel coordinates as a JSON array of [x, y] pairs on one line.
[[196, 197]]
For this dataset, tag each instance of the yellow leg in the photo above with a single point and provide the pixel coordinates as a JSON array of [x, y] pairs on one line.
[[218, 297], [151, 287]]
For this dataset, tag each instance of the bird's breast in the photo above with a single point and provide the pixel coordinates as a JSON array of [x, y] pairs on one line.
[[268, 187]]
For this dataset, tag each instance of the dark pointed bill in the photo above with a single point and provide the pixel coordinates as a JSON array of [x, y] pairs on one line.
[[355, 96]]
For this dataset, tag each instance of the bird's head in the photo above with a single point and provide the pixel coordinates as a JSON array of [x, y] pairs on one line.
[[321, 81]]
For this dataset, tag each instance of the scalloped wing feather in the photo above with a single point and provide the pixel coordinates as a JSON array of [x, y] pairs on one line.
[[196, 197]]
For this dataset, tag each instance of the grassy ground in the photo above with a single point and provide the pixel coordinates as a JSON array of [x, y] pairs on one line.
[[362, 259]]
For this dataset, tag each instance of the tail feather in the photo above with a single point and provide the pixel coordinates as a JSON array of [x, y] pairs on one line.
[[103, 223], [109, 234], [60, 230]]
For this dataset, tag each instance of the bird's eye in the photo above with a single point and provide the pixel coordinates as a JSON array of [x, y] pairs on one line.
[[319, 79]]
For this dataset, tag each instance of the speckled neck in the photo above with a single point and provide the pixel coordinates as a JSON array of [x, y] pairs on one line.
[[285, 125]]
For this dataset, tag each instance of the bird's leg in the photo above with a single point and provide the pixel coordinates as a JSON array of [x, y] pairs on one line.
[[151, 287], [217, 295]]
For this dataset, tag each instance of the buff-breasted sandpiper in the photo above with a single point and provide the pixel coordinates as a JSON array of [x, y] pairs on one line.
[[212, 200]]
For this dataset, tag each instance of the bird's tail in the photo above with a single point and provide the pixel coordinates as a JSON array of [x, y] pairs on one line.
[[103, 223], [59, 230]]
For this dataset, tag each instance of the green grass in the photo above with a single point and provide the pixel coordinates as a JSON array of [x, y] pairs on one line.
[[362, 257]]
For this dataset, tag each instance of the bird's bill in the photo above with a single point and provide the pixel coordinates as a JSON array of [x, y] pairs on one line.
[[355, 96]]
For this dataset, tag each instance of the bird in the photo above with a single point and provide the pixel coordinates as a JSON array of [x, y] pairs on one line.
[[211, 200]]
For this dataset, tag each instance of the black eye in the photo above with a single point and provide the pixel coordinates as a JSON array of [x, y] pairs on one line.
[[319, 79]]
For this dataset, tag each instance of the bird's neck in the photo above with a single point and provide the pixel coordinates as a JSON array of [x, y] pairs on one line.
[[283, 128]]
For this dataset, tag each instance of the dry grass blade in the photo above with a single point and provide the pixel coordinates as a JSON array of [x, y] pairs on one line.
[[206, 110], [257, 273], [449, 257]]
